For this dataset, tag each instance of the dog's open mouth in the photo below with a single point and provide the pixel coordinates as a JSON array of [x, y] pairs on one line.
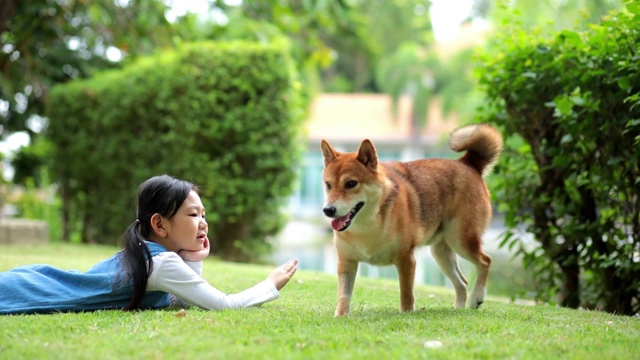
[[342, 223]]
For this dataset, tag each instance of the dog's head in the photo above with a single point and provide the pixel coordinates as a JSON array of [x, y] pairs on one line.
[[350, 181]]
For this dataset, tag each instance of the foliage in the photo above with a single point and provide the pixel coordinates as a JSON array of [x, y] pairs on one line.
[[568, 104], [423, 75], [224, 115], [559, 15], [30, 163], [39, 202], [300, 325], [312, 26], [3, 187], [336, 43], [297, 18], [385, 26], [47, 42]]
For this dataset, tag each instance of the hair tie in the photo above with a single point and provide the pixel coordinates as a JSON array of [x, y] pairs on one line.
[[138, 221]]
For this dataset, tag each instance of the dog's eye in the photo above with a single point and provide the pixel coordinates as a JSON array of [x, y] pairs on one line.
[[351, 184], [328, 186]]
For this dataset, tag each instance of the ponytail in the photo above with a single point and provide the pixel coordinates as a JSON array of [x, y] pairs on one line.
[[137, 263]]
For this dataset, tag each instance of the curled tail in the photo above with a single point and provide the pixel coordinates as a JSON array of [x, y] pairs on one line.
[[483, 144]]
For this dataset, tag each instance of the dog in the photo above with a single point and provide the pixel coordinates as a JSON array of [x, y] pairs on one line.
[[381, 211]]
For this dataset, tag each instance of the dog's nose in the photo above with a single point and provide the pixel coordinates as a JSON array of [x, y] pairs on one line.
[[329, 210]]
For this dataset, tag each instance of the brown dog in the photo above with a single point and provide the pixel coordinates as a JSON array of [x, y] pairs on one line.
[[382, 211]]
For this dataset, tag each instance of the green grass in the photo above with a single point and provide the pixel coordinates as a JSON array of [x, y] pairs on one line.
[[300, 325]]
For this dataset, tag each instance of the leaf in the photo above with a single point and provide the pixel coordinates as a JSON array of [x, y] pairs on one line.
[[506, 236], [577, 100], [624, 83], [564, 105], [566, 139], [570, 37], [633, 7], [614, 161], [543, 49], [633, 122]]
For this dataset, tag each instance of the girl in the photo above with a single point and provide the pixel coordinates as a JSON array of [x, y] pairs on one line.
[[160, 265]]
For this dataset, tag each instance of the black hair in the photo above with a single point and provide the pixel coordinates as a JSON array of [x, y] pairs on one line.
[[162, 195]]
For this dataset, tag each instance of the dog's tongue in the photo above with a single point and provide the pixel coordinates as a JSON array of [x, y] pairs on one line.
[[338, 223]]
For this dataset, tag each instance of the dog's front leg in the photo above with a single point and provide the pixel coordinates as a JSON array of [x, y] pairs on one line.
[[347, 270], [406, 266]]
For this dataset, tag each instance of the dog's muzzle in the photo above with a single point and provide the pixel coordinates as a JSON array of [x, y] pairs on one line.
[[341, 223]]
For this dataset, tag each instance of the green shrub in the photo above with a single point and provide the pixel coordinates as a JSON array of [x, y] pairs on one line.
[[568, 104], [224, 115]]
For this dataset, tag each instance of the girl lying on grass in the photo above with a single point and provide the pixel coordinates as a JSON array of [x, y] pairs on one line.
[[160, 265]]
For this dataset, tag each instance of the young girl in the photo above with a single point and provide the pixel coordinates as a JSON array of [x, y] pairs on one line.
[[160, 265]]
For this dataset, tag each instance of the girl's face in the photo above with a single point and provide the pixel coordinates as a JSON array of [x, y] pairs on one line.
[[187, 229]]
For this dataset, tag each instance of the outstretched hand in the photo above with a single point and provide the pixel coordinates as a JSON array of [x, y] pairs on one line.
[[282, 274], [196, 255]]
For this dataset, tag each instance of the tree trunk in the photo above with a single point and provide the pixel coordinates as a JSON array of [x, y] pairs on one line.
[[564, 256], [65, 213], [2, 193], [7, 9], [569, 295]]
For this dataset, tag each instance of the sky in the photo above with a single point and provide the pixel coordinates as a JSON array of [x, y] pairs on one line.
[[446, 16]]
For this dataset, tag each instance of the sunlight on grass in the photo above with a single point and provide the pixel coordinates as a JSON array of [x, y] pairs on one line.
[[301, 325]]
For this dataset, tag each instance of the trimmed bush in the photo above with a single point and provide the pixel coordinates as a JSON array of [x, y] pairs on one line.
[[226, 116], [569, 107]]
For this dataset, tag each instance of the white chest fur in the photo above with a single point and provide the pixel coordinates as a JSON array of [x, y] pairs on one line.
[[370, 249]]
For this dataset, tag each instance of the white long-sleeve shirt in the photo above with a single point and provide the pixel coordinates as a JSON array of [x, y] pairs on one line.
[[183, 280]]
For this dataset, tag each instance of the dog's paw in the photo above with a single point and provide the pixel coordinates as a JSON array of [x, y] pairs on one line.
[[476, 304], [343, 306], [477, 298]]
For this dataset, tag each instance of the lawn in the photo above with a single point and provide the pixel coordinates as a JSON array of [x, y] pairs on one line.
[[300, 325]]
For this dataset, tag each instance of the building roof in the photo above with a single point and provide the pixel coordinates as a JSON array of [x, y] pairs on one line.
[[347, 117]]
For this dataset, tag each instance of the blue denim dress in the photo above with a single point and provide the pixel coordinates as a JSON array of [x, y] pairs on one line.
[[45, 289]]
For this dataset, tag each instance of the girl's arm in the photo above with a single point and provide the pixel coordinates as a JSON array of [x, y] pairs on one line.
[[172, 275]]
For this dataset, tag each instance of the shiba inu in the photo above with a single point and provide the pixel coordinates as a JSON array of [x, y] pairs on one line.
[[381, 211]]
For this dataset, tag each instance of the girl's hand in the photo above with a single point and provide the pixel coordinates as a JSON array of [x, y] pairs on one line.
[[195, 255], [282, 274]]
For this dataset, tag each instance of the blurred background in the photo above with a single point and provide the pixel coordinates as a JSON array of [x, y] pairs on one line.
[[96, 96]]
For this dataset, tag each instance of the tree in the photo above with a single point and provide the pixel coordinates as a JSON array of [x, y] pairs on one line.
[[46, 42], [411, 71], [384, 27], [337, 43], [423, 75], [312, 26]]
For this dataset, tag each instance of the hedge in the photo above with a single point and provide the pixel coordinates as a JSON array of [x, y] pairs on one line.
[[226, 116], [569, 105]]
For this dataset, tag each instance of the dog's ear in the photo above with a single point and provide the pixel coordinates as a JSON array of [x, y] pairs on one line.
[[328, 152], [367, 154]]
